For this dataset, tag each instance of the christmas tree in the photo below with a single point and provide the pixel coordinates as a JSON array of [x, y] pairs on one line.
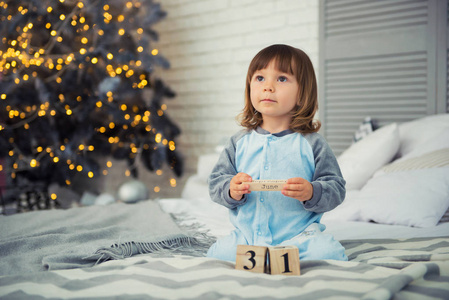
[[77, 85]]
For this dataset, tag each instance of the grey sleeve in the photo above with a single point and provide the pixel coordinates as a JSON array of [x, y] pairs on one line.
[[222, 173], [328, 183]]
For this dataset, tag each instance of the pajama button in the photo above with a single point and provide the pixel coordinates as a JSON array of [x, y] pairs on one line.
[[262, 200], [259, 233]]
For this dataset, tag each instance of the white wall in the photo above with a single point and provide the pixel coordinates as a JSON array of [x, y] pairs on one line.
[[209, 44]]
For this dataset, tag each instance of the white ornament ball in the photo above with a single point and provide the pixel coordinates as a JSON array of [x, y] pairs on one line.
[[104, 199], [133, 191]]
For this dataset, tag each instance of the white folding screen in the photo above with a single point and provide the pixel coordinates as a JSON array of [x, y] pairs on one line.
[[445, 38], [386, 59]]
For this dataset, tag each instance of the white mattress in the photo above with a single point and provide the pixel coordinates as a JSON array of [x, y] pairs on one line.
[[350, 230], [214, 218]]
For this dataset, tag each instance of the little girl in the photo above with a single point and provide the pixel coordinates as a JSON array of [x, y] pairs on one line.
[[280, 142]]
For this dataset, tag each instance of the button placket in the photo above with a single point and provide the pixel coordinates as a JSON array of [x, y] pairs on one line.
[[262, 231], [266, 160]]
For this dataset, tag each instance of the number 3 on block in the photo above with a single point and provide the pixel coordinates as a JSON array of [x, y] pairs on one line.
[[251, 258]]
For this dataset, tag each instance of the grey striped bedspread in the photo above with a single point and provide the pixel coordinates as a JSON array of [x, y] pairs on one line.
[[415, 268]]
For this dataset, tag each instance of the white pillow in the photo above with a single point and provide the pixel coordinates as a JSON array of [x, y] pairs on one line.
[[428, 155], [439, 140], [418, 132], [416, 198], [196, 189], [205, 165], [359, 162], [347, 211]]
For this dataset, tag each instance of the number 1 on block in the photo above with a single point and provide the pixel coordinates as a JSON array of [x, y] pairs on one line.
[[284, 260]]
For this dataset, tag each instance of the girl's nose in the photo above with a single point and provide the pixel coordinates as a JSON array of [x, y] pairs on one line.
[[268, 88]]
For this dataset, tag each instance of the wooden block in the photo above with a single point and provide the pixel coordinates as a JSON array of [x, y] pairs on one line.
[[251, 258], [284, 260], [266, 185]]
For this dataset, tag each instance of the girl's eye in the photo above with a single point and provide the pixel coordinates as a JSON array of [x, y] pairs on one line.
[[282, 79], [259, 78]]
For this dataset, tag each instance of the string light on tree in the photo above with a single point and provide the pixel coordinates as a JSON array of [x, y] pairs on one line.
[[73, 77]]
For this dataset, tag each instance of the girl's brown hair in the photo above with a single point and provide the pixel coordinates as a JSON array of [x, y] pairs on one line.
[[293, 61]]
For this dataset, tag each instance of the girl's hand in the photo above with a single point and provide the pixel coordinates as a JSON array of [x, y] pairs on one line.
[[298, 188], [237, 189]]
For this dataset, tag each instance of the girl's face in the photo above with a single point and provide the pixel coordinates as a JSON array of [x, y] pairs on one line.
[[274, 94]]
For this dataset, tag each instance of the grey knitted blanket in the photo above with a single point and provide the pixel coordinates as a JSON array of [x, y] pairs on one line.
[[83, 237]]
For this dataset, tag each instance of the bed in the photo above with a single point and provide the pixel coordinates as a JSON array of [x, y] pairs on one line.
[[393, 225]]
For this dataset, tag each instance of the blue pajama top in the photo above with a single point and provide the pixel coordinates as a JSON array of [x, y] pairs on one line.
[[267, 217]]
